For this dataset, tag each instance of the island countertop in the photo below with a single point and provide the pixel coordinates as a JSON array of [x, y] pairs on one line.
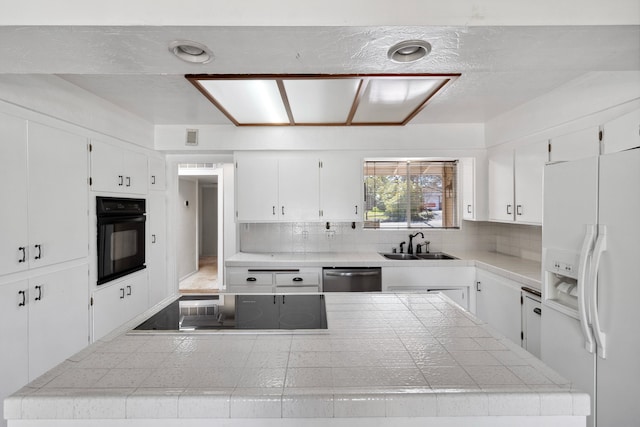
[[385, 358]]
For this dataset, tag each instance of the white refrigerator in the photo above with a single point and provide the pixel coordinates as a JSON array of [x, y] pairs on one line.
[[591, 281]]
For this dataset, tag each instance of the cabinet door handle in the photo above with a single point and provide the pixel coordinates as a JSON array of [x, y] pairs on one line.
[[39, 248], [24, 298], [356, 209], [273, 210], [128, 290], [153, 180], [283, 210], [39, 289], [251, 279], [468, 208], [128, 181], [153, 238], [519, 210], [508, 209], [120, 180], [537, 311], [478, 287], [121, 293], [297, 279], [24, 254]]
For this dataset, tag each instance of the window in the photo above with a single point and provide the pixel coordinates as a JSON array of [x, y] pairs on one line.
[[418, 193]]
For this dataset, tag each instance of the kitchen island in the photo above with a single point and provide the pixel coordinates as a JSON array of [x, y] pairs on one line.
[[385, 360]]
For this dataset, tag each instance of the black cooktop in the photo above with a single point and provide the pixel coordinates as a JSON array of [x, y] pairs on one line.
[[229, 311]]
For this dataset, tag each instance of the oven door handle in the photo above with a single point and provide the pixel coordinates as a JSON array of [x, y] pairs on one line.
[[117, 219]]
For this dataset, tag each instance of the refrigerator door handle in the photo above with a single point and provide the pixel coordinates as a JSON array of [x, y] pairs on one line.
[[583, 283], [599, 248]]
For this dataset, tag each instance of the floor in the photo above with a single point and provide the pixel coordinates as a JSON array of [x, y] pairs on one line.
[[205, 280]]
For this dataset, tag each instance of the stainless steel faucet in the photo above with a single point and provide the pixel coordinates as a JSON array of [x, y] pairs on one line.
[[411, 236]]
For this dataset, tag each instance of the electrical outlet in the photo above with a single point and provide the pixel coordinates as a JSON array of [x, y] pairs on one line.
[[305, 235], [331, 234]]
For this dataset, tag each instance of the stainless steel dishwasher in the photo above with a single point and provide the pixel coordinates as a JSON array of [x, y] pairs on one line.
[[351, 279]]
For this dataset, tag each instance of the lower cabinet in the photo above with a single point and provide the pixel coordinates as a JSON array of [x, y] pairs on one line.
[[498, 304], [269, 280], [453, 282], [43, 321], [531, 321], [119, 302]]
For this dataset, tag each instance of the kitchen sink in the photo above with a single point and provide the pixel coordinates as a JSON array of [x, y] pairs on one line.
[[430, 255], [435, 255], [400, 256]]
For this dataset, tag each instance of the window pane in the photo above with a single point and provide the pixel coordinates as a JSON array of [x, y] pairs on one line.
[[411, 194]]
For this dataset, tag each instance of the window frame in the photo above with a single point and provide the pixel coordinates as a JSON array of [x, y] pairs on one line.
[[409, 224]]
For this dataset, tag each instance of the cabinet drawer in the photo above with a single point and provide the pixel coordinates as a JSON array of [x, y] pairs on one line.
[[297, 279], [250, 289], [245, 278], [297, 289]]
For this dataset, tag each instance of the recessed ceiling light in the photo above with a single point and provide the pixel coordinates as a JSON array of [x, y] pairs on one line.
[[191, 51], [409, 51]]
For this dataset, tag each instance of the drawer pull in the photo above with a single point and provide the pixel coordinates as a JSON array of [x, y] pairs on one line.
[[537, 311], [251, 279], [297, 279]]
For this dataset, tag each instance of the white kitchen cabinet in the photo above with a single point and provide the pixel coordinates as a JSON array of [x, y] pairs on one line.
[[43, 321], [452, 281], [57, 195], [257, 279], [117, 170], [528, 167], [298, 188], [117, 302], [14, 195], [515, 183], [622, 133], [58, 317], [157, 174], [341, 188], [45, 171], [157, 247], [270, 188], [468, 169], [501, 185], [256, 187], [575, 145], [498, 304], [531, 322], [14, 357]]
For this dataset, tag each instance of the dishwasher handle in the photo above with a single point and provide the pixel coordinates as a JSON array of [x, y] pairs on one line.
[[351, 273]]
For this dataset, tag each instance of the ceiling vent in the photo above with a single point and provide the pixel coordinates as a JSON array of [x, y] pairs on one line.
[[192, 137]]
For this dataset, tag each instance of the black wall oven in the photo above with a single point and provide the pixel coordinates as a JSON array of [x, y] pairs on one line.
[[121, 237]]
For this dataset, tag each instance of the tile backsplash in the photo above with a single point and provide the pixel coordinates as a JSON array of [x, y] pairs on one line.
[[523, 241]]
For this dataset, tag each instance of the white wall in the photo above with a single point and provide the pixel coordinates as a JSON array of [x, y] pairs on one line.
[[55, 97], [187, 227], [587, 101], [228, 138]]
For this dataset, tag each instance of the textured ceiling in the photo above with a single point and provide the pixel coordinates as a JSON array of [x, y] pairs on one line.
[[502, 67]]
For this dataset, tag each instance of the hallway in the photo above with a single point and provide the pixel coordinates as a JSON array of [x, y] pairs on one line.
[[205, 280]]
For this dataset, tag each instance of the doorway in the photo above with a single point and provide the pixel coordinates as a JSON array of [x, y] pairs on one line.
[[200, 227]]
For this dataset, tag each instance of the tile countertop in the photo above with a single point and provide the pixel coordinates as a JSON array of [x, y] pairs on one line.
[[524, 271], [383, 356]]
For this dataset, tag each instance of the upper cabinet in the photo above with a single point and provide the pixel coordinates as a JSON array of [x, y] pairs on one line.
[[157, 174], [340, 187], [282, 188], [501, 185], [575, 145], [622, 133], [298, 187], [117, 170], [45, 170], [515, 183]]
